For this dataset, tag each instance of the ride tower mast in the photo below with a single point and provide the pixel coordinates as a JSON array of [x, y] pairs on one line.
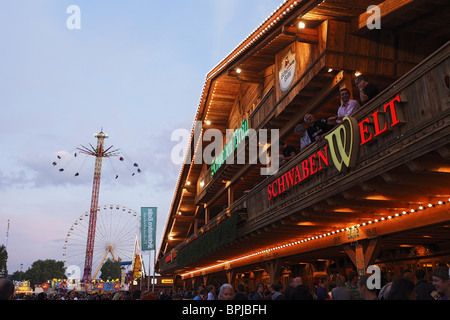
[[99, 153]]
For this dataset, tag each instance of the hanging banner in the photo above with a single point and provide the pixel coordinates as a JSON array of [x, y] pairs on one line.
[[148, 228]]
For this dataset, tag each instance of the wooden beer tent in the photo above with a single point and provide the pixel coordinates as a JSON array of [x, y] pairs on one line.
[[393, 202]]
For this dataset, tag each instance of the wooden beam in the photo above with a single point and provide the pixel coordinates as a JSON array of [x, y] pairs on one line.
[[388, 11], [371, 251], [302, 35], [361, 257], [246, 76]]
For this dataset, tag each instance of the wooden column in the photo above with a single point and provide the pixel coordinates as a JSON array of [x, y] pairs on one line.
[[273, 267], [206, 279], [347, 83], [195, 225], [362, 258], [230, 276], [206, 215], [230, 196]]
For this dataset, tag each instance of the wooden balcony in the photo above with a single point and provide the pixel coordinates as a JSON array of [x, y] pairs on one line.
[[401, 168]]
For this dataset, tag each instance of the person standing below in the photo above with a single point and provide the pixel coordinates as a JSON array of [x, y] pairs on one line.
[[275, 288], [352, 285], [367, 90], [423, 288], [300, 131], [441, 282], [340, 292], [364, 291], [226, 292], [289, 288], [301, 291], [6, 289], [201, 295], [259, 292], [402, 289], [240, 295], [211, 292], [322, 290], [347, 108]]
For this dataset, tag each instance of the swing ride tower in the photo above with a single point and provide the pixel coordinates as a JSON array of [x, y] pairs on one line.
[[99, 154]]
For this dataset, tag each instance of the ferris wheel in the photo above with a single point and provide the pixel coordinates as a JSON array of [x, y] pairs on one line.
[[115, 238]]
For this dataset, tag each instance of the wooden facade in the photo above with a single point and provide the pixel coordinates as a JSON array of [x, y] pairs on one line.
[[390, 202]]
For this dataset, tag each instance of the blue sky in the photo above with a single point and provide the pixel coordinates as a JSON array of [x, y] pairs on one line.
[[135, 68]]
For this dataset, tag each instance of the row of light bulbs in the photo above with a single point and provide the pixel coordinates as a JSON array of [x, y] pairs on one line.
[[298, 242]]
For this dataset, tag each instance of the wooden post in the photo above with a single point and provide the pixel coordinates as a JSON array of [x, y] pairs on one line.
[[206, 215], [347, 83], [230, 196], [362, 258], [273, 267], [230, 276], [360, 263], [195, 225], [206, 278]]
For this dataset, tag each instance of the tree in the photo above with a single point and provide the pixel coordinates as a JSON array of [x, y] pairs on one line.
[[18, 276], [3, 260], [44, 270], [110, 270]]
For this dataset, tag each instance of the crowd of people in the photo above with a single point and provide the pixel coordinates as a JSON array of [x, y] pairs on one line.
[[316, 129], [334, 287], [405, 286]]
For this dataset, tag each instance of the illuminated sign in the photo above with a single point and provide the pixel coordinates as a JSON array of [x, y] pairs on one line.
[[238, 136], [167, 281], [315, 163], [370, 127], [343, 145]]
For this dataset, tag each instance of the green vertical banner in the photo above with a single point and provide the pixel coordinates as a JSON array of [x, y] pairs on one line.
[[148, 228]]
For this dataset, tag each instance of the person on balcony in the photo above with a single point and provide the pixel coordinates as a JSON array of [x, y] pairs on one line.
[[317, 129], [305, 140], [347, 108], [287, 152], [367, 90]]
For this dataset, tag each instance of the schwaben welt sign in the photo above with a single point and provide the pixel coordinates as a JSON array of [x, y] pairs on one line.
[[343, 146]]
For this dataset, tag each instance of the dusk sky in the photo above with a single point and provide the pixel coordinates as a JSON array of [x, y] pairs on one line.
[[136, 69]]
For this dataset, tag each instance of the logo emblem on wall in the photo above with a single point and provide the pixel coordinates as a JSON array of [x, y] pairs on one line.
[[287, 71], [344, 143]]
